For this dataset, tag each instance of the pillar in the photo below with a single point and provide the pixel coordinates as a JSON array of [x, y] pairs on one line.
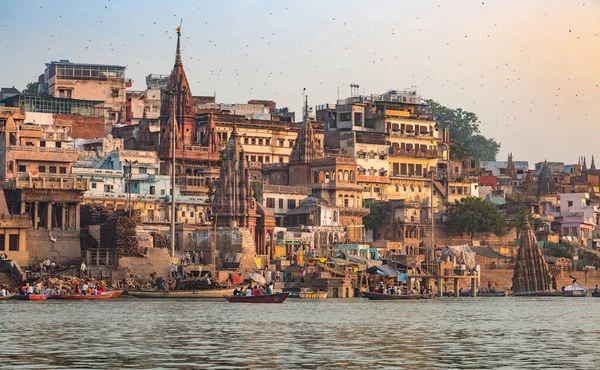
[[474, 287], [456, 288], [63, 215], [440, 290], [22, 207], [77, 216], [35, 215], [49, 216]]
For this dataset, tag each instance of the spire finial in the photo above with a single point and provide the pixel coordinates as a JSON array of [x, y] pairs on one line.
[[178, 51], [305, 105], [593, 164]]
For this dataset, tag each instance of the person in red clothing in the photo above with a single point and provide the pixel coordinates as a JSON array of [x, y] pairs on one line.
[[489, 286]]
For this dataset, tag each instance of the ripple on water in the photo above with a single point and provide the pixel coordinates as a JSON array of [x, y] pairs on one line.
[[443, 333]]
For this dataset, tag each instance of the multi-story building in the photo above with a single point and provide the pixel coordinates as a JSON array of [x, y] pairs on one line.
[[35, 168], [578, 216], [146, 103], [100, 82]]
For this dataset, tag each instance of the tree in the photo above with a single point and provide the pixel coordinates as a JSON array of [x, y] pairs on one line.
[[518, 212], [473, 215], [375, 217], [466, 139], [31, 88]]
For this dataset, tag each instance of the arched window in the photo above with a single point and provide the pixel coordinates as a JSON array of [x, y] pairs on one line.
[[340, 175], [352, 176], [326, 176], [346, 175], [10, 166], [397, 188]]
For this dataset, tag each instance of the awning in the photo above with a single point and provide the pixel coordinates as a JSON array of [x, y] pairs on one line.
[[384, 270]]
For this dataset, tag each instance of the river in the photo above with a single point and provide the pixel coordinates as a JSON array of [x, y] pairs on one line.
[[482, 333]]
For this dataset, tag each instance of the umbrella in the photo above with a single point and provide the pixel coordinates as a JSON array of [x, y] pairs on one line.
[[258, 278]]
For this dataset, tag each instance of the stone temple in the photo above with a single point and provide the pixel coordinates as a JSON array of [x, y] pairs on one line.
[[531, 275]]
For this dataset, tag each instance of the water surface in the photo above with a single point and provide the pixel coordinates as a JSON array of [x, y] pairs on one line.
[[466, 333]]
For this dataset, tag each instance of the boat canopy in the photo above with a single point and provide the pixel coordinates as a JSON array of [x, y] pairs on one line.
[[576, 287]]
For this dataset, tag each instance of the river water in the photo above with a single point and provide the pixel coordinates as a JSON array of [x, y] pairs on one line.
[[482, 333]]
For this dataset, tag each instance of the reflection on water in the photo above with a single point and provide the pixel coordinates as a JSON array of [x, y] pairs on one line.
[[485, 333]]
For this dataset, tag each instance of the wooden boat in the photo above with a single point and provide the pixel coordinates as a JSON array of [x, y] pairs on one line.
[[31, 297], [6, 297], [116, 293], [267, 298], [575, 290], [309, 294], [106, 295], [208, 293], [394, 297], [487, 294], [595, 294]]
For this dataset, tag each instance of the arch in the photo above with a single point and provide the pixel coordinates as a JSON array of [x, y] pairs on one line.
[[340, 175], [321, 177], [10, 166], [352, 176], [188, 172], [346, 175], [327, 176]]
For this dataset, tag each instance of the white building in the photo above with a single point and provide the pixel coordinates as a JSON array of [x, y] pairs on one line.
[[579, 217]]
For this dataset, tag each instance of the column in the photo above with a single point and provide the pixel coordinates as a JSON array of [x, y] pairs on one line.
[[22, 207], [77, 216], [49, 216], [474, 287], [63, 214], [35, 215], [456, 288], [440, 289]]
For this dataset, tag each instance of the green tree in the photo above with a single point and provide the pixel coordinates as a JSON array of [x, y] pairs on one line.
[[466, 139], [473, 215], [31, 88], [518, 213], [375, 218]]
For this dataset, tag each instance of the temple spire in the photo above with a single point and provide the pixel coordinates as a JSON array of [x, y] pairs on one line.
[[593, 165], [178, 51], [584, 164]]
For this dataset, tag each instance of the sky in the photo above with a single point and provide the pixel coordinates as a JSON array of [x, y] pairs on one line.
[[529, 69]]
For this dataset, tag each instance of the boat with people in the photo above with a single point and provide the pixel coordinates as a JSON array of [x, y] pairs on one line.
[[312, 294], [394, 297], [484, 294], [7, 297], [197, 294], [265, 298], [31, 297], [106, 295]]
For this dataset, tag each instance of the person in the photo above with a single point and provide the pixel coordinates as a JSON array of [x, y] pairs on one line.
[[489, 286], [269, 276], [1, 257], [29, 289], [249, 291], [236, 292], [173, 270], [84, 288], [278, 276], [3, 292], [201, 257], [596, 289], [255, 290], [197, 258], [270, 288], [585, 273], [52, 267], [82, 269], [261, 290]]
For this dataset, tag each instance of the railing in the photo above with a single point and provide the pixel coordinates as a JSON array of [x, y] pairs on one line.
[[284, 189], [43, 149], [414, 153], [95, 171], [63, 183]]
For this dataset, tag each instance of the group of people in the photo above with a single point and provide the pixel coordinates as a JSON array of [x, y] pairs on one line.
[[191, 258], [257, 290], [48, 266], [4, 291]]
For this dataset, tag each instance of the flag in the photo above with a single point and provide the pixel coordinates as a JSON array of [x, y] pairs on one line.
[[178, 29]]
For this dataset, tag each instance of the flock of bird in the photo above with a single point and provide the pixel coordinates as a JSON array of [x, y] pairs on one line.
[[241, 57]]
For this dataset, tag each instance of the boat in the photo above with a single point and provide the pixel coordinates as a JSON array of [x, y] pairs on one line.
[[309, 294], [575, 290], [106, 295], [6, 297], [267, 298], [394, 297], [208, 293], [503, 293], [595, 294], [31, 297]]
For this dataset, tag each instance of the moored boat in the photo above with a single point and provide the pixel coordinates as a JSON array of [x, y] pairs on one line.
[[267, 298], [575, 290], [394, 297], [6, 297], [595, 294], [208, 293], [309, 294], [31, 297]]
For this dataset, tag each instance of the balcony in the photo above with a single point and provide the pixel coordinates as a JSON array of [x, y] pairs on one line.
[[43, 153], [55, 182], [396, 152]]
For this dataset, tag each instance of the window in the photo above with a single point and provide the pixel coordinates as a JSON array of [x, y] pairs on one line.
[[281, 141], [107, 188], [152, 190], [570, 203], [358, 119], [93, 185], [411, 169], [246, 140], [280, 159], [260, 158], [42, 144], [346, 202], [419, 170], [2, 240], [58, 144], [291, 203], [62, 170], [267, 141], [396, 169], [192, 214], [143, 170], [291, 143], [22, 168], [115, 93], [42, 169], [403, 169], [377, 190], [252, 158], [260, 141], [13, 242], [52, 169], [162, 191], [270, 202], [267, 159]]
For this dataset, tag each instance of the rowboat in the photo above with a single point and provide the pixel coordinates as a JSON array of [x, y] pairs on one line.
[[208, 293], [31, 297], [309, 294], [6, 297], [487, 294], [394, 297], [595, 294], [267, 298], [106, 295]]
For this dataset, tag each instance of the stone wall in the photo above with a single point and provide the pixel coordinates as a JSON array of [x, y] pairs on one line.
[[445, 237], [64, 249], [232, 245]]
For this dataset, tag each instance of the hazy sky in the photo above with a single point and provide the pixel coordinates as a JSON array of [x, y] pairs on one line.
[[529, 69]]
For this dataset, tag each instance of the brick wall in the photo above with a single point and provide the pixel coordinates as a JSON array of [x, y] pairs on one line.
[[81, 126]]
